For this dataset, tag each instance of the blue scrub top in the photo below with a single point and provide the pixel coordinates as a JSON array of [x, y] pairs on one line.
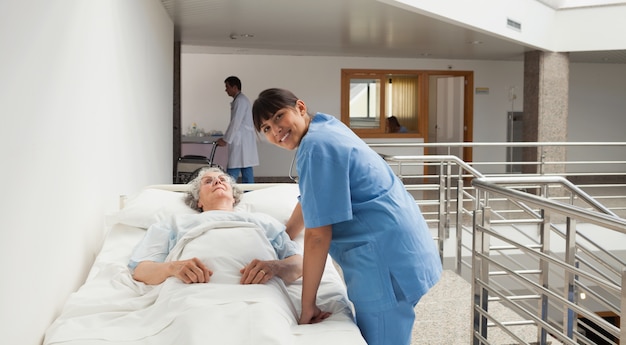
[[380, 238]]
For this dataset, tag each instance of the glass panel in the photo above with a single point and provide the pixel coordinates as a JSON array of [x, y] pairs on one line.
[[364, 103]]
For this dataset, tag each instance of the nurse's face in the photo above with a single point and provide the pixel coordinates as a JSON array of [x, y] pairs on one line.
[[287, 126]]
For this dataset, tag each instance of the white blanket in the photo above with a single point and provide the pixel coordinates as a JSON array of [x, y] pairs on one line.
[[112, 308]]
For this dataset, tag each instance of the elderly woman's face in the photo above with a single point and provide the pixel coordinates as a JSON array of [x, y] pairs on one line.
[[214, 189]]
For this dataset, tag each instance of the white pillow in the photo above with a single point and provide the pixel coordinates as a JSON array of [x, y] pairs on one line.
[[276, 201], [151, 206]]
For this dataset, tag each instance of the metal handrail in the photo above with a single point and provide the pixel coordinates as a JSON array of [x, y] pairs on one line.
[[565, 298], [491, 184], [445, 197], [596, 150], [434, 158], [550, 195]]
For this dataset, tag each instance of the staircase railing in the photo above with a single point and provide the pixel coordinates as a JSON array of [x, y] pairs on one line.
[[498, 230], [598, 168], [444, 199], [554, 263]]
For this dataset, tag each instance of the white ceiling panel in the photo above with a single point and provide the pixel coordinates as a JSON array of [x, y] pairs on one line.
[[366, 28]]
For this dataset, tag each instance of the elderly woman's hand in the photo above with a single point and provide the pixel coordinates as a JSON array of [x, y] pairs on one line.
[[260, 272], [257, 272], [190, 271]]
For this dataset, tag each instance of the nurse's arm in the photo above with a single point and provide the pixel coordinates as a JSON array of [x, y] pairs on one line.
[[295, 224], [316, 244]]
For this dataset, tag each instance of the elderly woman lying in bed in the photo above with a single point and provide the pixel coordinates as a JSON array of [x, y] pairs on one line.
[[243, 266], [160, 254]]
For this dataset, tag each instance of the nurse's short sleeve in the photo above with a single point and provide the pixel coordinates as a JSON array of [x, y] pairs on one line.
[[325, 185]]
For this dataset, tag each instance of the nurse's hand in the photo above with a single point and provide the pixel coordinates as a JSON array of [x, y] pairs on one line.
[[313, 315]]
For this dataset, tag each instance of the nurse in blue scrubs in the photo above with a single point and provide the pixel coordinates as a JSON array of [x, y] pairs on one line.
[[354, 207]]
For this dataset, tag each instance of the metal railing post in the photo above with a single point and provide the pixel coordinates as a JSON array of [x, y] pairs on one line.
[[569, 277], [480, 270], [441, 232], [542, 159], [622, 325], [448, 177], [544, 268], [459, 222]]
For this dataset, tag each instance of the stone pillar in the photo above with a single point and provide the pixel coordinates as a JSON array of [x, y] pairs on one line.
[[546, 89]]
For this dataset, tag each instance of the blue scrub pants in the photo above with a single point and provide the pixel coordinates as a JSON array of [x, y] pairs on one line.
[[389, 327], [247, 174]]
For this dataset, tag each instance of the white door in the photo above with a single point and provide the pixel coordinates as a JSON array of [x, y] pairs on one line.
[[449, 113]]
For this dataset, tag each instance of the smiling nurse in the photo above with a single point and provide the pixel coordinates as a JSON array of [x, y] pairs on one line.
[[355, 208]]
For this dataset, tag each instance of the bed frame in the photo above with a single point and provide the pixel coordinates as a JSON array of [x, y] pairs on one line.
[[111, 308]]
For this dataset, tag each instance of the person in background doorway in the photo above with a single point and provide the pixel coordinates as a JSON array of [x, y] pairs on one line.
[[354, 207], [394, 126], [240, 136]]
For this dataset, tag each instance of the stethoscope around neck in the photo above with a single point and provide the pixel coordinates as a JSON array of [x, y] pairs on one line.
[[293, 178]]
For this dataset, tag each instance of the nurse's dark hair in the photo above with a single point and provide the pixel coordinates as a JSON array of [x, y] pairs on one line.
[[269, 102]]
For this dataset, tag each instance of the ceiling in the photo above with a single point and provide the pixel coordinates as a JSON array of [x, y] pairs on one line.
[[363, 28]]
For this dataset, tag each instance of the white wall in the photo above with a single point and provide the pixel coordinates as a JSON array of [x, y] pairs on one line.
[[86, 104], [596, 93], [317, 81], [597, 112]]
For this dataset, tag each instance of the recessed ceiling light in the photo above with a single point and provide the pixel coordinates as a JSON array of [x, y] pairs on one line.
[[475, 42], [236, 36]]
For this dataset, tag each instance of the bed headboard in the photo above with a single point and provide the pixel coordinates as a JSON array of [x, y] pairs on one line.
[[246, 187], [154, 202]]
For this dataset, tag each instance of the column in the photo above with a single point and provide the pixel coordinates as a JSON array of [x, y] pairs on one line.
[[546, 89]]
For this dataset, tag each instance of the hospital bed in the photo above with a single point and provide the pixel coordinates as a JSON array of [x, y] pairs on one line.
[[111, 308]]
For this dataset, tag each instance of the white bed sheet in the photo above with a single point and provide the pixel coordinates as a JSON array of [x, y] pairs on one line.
[[105, 311]]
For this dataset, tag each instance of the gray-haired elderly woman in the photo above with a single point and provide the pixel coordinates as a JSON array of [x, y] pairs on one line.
[[215, 194], [195, 185]]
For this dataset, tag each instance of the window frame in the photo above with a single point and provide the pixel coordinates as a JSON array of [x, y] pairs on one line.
[[423, 100], [383, 76]]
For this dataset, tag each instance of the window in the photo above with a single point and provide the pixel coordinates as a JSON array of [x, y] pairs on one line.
[[370, 97], [364, 103]]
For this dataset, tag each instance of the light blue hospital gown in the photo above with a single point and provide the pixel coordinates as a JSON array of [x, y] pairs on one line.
[[379, 236], [161, 237]]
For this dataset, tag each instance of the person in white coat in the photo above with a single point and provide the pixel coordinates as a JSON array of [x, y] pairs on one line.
[[240, 135]]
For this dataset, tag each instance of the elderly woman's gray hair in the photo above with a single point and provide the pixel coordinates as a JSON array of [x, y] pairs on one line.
[[193, 194]]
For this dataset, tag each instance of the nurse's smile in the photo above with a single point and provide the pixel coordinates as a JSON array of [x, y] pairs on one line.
[[285, 136]]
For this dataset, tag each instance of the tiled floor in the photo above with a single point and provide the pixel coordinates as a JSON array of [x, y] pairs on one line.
[[443, 316]]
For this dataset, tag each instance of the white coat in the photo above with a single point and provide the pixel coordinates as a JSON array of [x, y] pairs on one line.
[[241, 135]]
